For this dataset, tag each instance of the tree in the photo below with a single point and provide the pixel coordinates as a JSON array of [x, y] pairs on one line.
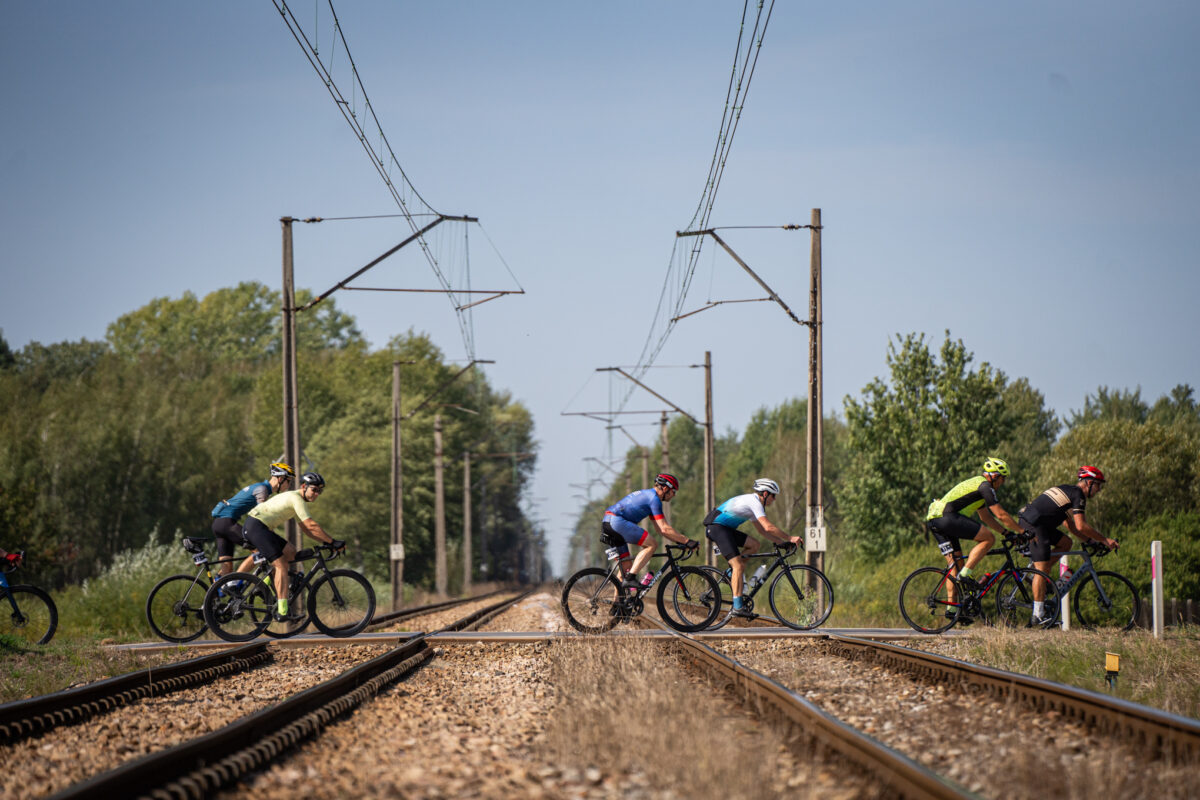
[[1106, 404], [911, 438], [1177, 407]]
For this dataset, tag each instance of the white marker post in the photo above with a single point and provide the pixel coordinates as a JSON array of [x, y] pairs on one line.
[[1156, 587], [1063, 601]]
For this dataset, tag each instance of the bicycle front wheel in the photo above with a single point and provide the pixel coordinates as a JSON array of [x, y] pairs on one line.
[[924, 603], [1107, 601], [589, 600], [239, 606], [175, 608], [341, 603], [28, 614], [801, 597], [689, 600], [1014, 600]]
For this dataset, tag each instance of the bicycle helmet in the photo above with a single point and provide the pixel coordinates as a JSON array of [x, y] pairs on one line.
[[766, 485], [312, 479], [282, 470], [996, 465], [1091, 473], [668, 480]]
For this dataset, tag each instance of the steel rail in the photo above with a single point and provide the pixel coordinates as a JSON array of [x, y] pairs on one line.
[[392, 617], [898, 775], [1169, 735], [24, 718], [203, 766]]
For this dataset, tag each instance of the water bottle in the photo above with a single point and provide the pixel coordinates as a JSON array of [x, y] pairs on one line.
[[757, 577]]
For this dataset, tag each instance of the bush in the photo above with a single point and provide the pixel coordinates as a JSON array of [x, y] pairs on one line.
[[1180, 534]]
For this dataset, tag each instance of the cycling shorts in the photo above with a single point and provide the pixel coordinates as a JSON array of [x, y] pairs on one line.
[[948, 529], [728, 540], [1045, 539], [266, 541], [622, 533], [229, 535]]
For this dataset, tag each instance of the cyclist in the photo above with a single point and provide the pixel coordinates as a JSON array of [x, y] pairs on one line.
[[9, 560], [620, 527], [265, 518], [948, 519], [721, 527], [1042, 517], [226, 514]]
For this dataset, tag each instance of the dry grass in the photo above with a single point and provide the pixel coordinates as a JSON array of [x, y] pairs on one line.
[[67, 662], [628, 706], [1163, 673]]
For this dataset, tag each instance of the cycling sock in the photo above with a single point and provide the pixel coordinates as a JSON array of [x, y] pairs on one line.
[[737, 603], [1039, 608], [965, 572], [282, 604]]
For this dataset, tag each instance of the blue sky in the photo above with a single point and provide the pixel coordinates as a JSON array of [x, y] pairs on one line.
[[1022, 174]]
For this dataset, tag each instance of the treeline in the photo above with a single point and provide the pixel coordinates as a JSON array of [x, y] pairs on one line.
[[908, 437], [105, 443]]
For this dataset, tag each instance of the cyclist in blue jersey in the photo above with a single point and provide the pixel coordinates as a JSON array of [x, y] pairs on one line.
[[721, 526], [226, 514], [620, 527]]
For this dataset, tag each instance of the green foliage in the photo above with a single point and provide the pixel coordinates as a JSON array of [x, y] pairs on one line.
[[1120, 404], [1179, 531], [1151, 468], [910, 439], [1179, 407]]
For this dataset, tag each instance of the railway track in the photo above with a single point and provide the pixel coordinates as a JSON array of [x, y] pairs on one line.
[[200, 766]]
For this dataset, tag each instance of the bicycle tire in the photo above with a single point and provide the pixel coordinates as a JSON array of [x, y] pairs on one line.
[[175, 608], [297, 601], [725, 614], [589, 600], [28, 614], [1123, 607], [689, 600], [341, 603], [1014, 600], [239, 612], [920, 605], [801, 597]]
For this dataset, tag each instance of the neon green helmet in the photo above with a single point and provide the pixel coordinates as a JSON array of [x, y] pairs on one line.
[[996, 465]]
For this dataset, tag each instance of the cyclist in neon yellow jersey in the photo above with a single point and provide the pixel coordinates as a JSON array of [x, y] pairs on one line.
[[948, 519], [264, 519]]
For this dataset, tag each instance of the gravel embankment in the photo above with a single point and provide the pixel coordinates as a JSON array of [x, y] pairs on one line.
[[991, 747]]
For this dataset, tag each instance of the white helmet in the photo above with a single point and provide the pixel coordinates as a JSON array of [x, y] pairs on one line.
[[766, 485]]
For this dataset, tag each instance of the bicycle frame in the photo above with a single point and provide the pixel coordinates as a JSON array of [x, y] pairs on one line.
[[781, 555], [1085, 571]]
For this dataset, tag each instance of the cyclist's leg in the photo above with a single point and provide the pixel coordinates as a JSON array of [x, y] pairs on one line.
[[1045, 541], [632, 534], [613, 539], [731, 543], [950, 547], [227, 533], [278, 552], [985, 539]]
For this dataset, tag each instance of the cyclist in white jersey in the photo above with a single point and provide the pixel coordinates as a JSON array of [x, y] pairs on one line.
[[721, 526]]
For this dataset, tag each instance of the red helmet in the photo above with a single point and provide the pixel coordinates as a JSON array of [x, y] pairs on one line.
[[668, 480], [1091, 473]]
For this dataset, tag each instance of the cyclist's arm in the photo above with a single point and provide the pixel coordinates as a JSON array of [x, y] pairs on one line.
[[666, 530], [316, 531], [996, 518], [768, 529], [1080, 527]]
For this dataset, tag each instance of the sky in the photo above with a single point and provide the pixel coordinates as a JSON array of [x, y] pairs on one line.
[[1023, 175]]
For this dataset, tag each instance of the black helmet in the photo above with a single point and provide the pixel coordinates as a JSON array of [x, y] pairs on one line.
[[312, 478]]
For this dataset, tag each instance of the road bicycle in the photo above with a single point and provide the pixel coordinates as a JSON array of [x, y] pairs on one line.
[[927, 608], [175, 606], [800, 595], [1102, 599], [26, 612], [593, 600], [240, 606]]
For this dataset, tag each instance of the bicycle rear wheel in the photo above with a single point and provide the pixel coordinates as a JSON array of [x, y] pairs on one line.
[[689, 600], [175, 608], [1116, 609], [239, 607], [924, 603], [341, 602], [1014, 600], [28, 614], [801, 597], [725, 588], [589, 600]]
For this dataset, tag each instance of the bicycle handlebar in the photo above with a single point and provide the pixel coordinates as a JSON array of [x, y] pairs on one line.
[[1096, 549]]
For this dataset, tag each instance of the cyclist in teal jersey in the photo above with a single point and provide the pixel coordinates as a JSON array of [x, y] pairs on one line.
[[948, 519], [226, 514]]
